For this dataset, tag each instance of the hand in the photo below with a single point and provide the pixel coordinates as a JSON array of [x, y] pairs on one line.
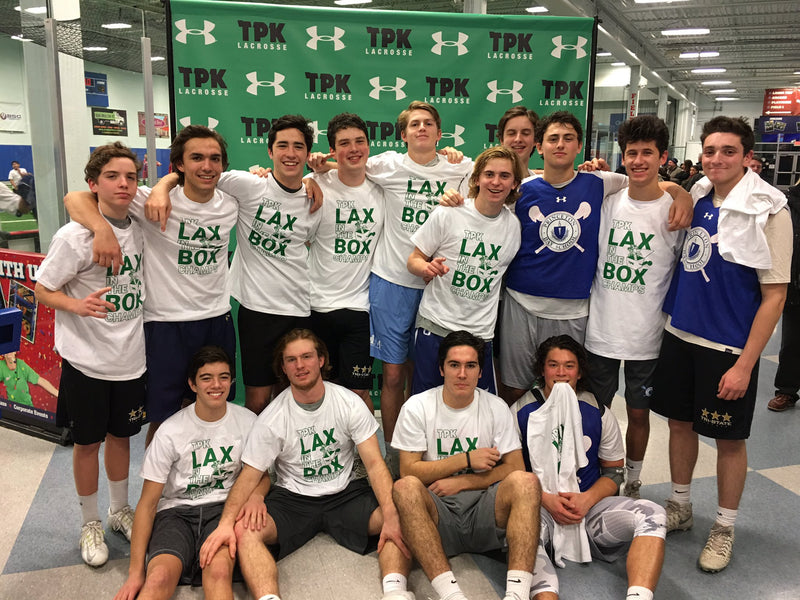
[[682, 210], [131, 588], [262, 172], [578, 502], [158, 207], [484, 459], [560, 508], [451, 197], [435, 268], [448, 486], [453, 156], [253, 513], [734, 383], [314, 193], [106, 251], [317, 161], [94, 306], [391, 532], [221, 536]]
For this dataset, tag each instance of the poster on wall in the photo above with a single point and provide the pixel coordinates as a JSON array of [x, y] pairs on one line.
[[29, 377], [161, 123], [12, 117], [109, 121], [96, 88], [236, 67]]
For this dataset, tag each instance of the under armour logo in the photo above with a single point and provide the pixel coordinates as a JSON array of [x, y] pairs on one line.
[[708, 216], [561, 199], [579, 51], [397, 88], [437, 47], [336, 38], [255, 83], [455, 136], [514, 91], [208, 27], [186, 121]]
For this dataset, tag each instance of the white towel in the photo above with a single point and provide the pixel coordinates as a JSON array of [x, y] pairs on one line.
[[742, 218], [556, 452]]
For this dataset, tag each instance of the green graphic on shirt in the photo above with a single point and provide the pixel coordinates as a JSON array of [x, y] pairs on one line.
[[208, 468], [475, 268], [558, 442], [416, 209], [354, 233], [198, 254], [627, 258], [126, 289], [267, 236], [456, 446], [319, 454]]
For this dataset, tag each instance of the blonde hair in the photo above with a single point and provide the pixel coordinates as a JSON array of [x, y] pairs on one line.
[[501, 152]]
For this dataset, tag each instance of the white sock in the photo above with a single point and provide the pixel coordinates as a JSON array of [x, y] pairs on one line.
[[89, 510], [681, 494], [726, 516], [118, 494], [637, 592], [447, 587], [394, 582], [518, 585], [269, 597], [633, 469]]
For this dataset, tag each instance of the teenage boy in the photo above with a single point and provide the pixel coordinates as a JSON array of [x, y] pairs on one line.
[[186, 261], [724, 302], [310, 435], [548, 283], [340, 257], [463, 486], [638, 254], [464, 253], [100, 338], [517, 129], [188, 471]]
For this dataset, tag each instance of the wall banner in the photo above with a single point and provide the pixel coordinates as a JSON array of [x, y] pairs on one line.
[[238, 66], [12, 117]]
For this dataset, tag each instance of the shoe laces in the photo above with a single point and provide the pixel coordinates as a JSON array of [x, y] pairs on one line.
[[92, 534], [720, 540]]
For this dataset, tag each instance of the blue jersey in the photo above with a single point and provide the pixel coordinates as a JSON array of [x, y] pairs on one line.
[[709, 296], [558, 255]]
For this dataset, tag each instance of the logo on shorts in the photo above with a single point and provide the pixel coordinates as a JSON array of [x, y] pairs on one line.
[[716, 419], [697, 251], [560, 230], [137, 415]]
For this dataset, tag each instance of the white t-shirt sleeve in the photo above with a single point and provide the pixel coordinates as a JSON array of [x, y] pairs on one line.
[[429, 236], [362, 423], [611, 446], [507, 435], [159, 458], [264, 443], [612, 182], [409, 432]]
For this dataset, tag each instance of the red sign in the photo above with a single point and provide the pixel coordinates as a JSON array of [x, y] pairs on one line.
[[633, 107], [782, 102]]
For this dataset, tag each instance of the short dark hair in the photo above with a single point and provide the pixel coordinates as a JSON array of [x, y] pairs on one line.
[[293, 336], [561, 342], [402, 118], [461, 338], [298, 122], [14, 162], [515, 111], [497, 152], [102, 155], [342, 121], [190, 132], [205, 356], [735, 125], [561, 117], [688, 164], [644, 128]]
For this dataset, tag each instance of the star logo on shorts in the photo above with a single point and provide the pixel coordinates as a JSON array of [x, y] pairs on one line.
[[726, 418]]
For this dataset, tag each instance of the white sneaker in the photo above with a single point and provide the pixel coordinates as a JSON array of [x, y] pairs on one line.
[[405, 595], [94, 551], [718, 550], [679, 516], [122, 521]]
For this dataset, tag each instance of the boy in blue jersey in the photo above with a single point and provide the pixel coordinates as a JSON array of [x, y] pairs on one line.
[[723, 304]]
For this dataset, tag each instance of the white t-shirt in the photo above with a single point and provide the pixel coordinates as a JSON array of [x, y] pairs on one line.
[[15, 176], [426, 424], [312, 451], [340, 259], [269, 272], [412, 192], [112, 348], [478, 250], [188, 263], [637, 256], [197, 461]]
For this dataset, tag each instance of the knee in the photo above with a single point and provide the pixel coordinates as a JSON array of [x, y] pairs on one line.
[[159, 577], [220, 569], [522, 484], [650, 519], [86, 450], [244, 535], [639, 418], [393, 378], [680, 427], [406, 490]]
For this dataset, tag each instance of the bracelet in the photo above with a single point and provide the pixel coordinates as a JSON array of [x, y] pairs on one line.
[[469, 462]]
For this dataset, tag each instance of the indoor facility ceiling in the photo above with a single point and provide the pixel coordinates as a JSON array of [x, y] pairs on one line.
[[756, 42]]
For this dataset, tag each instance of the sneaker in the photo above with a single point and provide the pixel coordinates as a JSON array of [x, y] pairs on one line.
[[781, 402], [359, 469], [399, 596], [679, 516], [94, 551], [718, 549], [392, 460], [122, 521], [632, 489]]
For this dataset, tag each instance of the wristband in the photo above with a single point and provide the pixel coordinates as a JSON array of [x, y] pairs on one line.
[[469, 462]]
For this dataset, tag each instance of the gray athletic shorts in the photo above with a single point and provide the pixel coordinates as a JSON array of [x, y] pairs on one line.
[[467, 522], [604, 380], [520, 335]]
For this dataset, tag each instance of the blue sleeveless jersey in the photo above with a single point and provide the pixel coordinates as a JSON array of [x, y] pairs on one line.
[[558, 255], [709, 296]]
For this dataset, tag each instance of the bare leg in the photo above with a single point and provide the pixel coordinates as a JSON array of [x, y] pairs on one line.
[[151, 432], [86, 468], [256, 562], [364, 395], [645, 558], [510, 394], [256, 398], [516, 510], [546, 596], [218, 576], [117, 457], [163, 575], [390, 558], [638, 432], [731, 472], [393, 394], [683, 447]]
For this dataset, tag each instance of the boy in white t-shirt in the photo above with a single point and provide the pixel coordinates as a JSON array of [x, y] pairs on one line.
[[637, 255], [100, 338], [188, 471]]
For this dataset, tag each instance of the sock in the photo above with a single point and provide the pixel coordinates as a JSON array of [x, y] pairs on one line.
[[726, 516], [681, 493], [394, 582], [269, 597], [518, 585], [633, 469], [447, 587], [118, 494], [637, 592], [89, 510]]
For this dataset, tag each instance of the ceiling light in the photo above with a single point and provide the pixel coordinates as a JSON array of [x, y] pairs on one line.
[[699, 54], [19, 38], [95, 48], [710, 70], [349, 2], [116, 26], [156, 58], [691, 31], [795, 73], [36, 10], [730, 91], [717, 82], [537, 9], [725, 99], [658, 1], [618, 64], [609, 54]]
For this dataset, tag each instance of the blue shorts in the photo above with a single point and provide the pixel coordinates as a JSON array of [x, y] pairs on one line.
[[392, 315], [426, 366], [170, 347]]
